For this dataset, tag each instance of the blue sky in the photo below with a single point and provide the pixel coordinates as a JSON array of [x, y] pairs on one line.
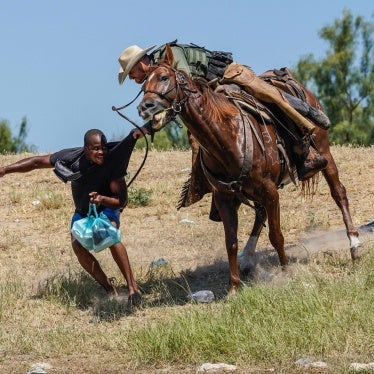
[[58, 64]]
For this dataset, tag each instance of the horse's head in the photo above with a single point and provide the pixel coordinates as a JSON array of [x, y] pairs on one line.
[[162, 94]]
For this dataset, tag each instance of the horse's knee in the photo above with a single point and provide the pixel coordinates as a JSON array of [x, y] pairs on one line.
[[232, 249]]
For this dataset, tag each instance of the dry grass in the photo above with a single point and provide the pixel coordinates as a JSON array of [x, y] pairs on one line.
[[35, 213]]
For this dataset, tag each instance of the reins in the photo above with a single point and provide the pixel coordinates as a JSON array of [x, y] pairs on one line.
[[176, 107], [139, 128]]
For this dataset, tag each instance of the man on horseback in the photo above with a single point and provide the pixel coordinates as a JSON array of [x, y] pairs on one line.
[[219, 67]]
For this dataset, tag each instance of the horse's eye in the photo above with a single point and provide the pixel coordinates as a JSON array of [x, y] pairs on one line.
[[164, 78]]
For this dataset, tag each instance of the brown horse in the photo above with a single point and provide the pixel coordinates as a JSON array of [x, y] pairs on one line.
[[239, 156]]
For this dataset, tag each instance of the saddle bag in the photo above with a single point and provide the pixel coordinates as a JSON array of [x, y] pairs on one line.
[[218, 61], [201, 62], [186, 56]]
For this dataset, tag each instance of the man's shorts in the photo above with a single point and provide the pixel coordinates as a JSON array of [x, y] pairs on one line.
[[112, 214]]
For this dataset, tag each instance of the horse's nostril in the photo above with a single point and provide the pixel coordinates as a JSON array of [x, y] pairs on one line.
[[145, 105]]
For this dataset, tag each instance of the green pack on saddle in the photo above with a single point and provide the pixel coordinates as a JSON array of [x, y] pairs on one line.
[[195, 61]]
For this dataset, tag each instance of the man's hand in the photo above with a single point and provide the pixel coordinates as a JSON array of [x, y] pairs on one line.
[[119, 188], [137, 134], [95, 198]]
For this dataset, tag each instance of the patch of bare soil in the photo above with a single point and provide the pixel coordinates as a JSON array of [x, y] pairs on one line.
[[35, 214]]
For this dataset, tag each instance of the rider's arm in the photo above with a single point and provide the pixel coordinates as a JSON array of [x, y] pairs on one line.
[[27, 164]]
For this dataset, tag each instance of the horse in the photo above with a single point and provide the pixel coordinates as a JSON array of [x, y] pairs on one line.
[[239, 155]]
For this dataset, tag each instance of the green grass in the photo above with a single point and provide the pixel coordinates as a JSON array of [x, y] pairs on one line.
[[323, 311], [311, 315]]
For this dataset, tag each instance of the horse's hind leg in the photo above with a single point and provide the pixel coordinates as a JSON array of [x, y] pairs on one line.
[[247, 258], [339, 194]]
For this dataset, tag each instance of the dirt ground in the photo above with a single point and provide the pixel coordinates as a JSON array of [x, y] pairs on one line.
[[36, 208]]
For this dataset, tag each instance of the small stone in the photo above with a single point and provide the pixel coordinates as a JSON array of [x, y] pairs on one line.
[[203, 296], [355, 366], [188, 221], [318, 365], [160, 262], [304, 361], [216, 368]]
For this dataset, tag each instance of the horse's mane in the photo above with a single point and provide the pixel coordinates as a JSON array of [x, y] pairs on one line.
[[218, 108]]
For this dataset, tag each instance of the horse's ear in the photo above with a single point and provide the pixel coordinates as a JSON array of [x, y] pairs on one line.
[[145, 67], [169, 58]]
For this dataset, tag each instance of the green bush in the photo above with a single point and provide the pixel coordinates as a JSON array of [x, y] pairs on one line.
[[139, 197]]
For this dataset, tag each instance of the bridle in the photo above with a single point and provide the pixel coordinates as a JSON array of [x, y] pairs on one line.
[[179, 87]]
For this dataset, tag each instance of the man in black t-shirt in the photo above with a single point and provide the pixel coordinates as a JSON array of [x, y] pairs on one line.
[[96, 172]]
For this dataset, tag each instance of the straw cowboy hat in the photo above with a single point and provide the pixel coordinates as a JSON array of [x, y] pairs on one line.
[[128, 58]]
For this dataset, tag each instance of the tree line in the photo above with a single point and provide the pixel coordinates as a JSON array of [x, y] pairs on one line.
[[10, 143], [343, 79]]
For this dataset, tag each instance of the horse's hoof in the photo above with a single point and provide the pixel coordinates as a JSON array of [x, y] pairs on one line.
[[355, 247], [262, 274], [246, 266], [357, 252], [134, 300], [257, 273]]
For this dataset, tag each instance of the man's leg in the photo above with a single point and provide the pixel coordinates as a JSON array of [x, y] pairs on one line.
[[121, 258], [92, 266]]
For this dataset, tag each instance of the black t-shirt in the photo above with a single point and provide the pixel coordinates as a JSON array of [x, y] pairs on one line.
[[95, 177]]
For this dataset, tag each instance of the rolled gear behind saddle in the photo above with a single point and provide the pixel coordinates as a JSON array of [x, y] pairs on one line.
[[245, 77], [295, 94], [314, 114]]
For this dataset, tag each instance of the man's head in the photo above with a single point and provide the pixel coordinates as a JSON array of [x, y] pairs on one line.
[[95, 146], [130, 61]]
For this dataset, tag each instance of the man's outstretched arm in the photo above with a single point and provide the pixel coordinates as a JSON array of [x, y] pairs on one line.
[[27, 164]]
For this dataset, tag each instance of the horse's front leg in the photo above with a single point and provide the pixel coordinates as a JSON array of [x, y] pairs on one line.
[[271, 204], [228, 209], [247, 260]]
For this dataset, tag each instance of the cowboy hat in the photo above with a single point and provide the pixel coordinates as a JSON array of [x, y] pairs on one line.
[[128, 58]]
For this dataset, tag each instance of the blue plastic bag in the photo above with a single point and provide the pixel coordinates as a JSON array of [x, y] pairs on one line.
[[95, 232]]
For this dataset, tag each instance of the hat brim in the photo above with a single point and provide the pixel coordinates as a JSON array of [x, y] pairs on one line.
[[123, 73]]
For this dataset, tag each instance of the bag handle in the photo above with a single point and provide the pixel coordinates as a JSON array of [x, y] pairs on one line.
[[92, 207]]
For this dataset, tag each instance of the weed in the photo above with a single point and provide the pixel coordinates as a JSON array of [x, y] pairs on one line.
[[139, 197]]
